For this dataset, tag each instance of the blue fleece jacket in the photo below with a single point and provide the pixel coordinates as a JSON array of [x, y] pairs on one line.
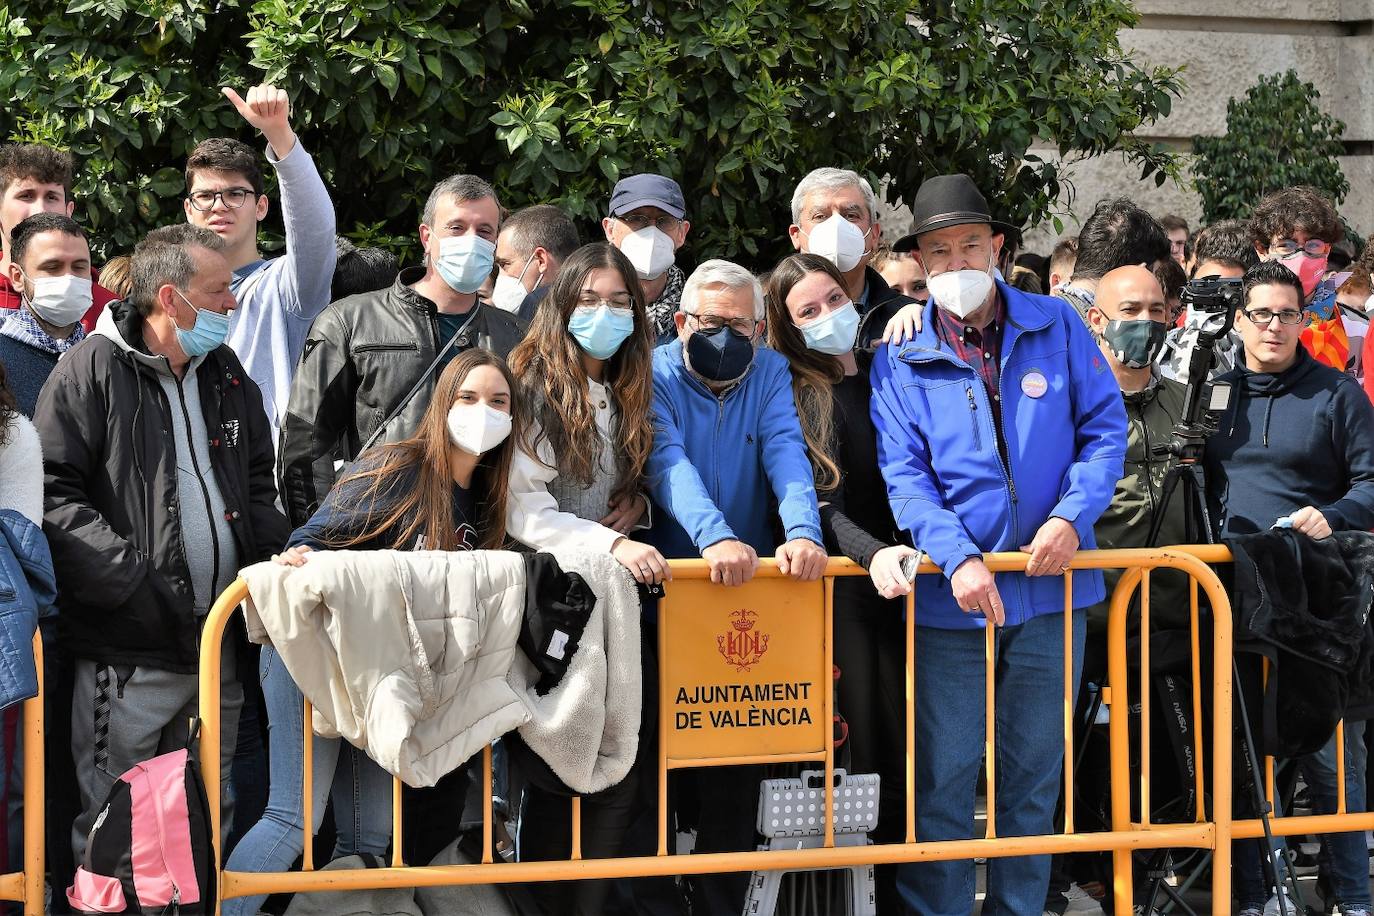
[[716, 461], [1065, 432], [1301, 437]]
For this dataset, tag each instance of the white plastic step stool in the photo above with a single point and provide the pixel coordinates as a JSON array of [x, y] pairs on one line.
[[792, 816]]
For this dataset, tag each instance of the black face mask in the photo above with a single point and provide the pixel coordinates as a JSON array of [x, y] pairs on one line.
[[720, 355]]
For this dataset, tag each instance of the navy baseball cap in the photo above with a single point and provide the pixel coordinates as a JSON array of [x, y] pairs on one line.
[[648, 191]]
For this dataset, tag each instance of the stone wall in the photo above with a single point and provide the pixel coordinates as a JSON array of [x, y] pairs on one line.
[[1224, 47]]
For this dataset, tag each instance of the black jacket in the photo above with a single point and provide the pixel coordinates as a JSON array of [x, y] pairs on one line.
[[361, 358], [883, 303], [1305, 605], [110, 495], [1301, 437]]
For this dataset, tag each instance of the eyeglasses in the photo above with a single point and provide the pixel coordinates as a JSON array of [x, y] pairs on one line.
[[1312, 248], [744, 327], [618, 301], [233, 198], [1290, 317], [637, 221]]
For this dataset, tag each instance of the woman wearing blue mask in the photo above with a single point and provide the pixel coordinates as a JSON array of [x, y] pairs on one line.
[[585, 367], [577, 481], [813, 323]]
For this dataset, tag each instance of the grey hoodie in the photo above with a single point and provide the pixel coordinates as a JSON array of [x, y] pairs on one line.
[[211, 551]]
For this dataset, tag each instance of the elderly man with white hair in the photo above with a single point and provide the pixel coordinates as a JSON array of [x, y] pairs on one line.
[[726, 438], [835, 215]]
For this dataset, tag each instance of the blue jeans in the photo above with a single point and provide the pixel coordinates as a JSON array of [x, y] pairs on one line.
[[1344, 857], [360, 789], [950, 704]]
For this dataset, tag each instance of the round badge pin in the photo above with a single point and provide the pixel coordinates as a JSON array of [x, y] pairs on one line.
[[1034, 384]]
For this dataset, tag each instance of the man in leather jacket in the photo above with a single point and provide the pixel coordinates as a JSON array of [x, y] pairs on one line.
[[370, 360]]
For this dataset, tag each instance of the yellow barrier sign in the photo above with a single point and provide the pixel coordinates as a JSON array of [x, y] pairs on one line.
[[744, 669]]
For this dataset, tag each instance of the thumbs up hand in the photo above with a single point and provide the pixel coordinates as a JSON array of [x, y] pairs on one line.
[[269, 110]]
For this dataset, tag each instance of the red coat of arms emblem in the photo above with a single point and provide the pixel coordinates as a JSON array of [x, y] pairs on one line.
[[741, 646]]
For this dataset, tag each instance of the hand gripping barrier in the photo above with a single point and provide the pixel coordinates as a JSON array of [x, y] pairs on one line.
[[745, 679], [27, 886]]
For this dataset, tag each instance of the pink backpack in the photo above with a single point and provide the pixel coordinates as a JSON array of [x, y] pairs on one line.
[[150, 848]]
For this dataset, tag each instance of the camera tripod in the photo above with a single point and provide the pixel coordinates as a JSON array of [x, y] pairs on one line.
[[1185, 453]]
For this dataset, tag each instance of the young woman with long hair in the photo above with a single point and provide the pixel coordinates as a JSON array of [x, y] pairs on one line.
[[445, 488], [813, 323], [585, 369]]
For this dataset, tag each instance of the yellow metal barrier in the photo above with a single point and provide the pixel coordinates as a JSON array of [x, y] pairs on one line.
[[27, 886], [779, 632]]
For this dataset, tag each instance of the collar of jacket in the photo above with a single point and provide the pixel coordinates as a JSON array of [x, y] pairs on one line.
[[883, 303], [404, 292], [1024, 314], [1146, 394], [876, 290]]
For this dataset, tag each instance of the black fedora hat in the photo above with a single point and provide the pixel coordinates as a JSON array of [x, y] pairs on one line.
[[949, 200]]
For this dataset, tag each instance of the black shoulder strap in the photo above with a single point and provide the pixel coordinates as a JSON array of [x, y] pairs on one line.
[[420, 382]]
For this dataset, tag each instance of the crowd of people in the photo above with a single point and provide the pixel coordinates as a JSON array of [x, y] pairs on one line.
[[195, 408]]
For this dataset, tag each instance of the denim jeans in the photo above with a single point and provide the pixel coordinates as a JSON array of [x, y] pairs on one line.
[[1344, 857], [360, 789], [950, 703]]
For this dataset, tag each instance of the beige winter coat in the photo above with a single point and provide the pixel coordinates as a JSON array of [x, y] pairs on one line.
[[417, 675]]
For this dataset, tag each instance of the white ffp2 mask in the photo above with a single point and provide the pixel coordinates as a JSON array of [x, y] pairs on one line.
[[961, 292], [477, 428], [838, 241], [650, 250]]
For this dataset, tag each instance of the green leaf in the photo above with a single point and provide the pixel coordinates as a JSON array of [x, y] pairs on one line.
[[386, 75]]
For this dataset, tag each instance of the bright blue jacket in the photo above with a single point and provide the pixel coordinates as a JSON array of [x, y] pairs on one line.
[[27, 591], [938, 451], [716, 460]]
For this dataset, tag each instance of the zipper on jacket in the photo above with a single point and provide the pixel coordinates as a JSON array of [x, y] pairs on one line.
[[204, 490], [715, 452], [973, 416], [1149, 468], [383, 348], [173, 904], [936, 354]]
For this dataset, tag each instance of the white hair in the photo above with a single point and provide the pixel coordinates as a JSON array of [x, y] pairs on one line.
[[720, 273], [828, 179]]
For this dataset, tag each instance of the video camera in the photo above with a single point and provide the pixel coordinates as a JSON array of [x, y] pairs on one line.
[[1214, 302], [1214, 296]]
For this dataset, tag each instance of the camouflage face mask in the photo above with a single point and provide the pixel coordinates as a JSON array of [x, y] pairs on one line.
[[1135, 344]]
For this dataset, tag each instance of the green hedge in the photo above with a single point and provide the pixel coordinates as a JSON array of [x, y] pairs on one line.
[[556, 99]]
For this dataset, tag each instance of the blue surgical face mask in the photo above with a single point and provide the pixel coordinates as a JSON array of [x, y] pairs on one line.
[[208, 332], [465, 261], [833, 333], [600, 330]]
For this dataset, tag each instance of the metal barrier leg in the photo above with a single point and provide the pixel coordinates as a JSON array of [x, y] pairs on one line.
[[1119, 703], [34, 793]]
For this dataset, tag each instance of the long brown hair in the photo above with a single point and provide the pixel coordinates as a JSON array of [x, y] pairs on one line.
[[548, 364], [426, 507], [813, 373]]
